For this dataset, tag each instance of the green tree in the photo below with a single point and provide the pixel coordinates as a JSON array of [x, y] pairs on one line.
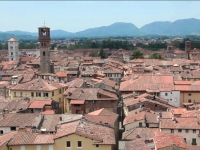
[[137, 54], [93, 54], [102, 53], [5, 46], [1, 46], [156, 56]]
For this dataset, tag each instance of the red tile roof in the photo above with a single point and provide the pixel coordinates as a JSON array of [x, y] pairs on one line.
[[48, 112], [181, 123], [168, 140], [133, 118], [4, 139], [61, 74], [39, 103], [148, 82], [77, 101]]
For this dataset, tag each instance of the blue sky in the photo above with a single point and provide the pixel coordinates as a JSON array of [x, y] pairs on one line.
[[75, 16]]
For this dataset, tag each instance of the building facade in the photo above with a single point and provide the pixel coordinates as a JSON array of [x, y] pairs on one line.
[[13, 49]]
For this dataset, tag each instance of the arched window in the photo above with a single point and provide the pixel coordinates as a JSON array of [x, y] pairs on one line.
[[43, 53]]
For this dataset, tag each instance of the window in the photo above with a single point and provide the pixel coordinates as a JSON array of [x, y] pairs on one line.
[[59, 100], [166, 94], [68, 144], [38, 94], [179, 130], [1, 131], [60, 91], [21, 94], [185, 140], [38, 147], [194, 131], [79, 144], [194, 142], [11, 53], [11, 47], [170, 99], [52, 93], [43, 53], [172, 130], [32, 94], [13, 128], [14, 93], [189, 94], [140, 124], [97, 145], [189, 101], [45, 94], [186, 131]]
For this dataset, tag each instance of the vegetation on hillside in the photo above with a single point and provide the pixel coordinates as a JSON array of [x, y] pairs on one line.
[[137, 54]]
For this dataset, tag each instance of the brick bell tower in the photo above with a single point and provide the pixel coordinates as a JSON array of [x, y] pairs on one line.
[[44, 40]]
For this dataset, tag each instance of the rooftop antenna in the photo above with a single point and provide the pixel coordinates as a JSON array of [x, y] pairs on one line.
[[44, 22]]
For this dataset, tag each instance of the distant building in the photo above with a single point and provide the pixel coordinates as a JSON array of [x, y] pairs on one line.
[[13, 49]]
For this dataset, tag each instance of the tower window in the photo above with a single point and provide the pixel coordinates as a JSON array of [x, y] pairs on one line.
[[43, 53]]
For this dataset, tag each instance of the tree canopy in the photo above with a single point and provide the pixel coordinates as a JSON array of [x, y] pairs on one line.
[[102, 54], [156, 56], [137, 54]]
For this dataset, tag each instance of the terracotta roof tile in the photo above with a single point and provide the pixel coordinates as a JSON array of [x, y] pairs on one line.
[[38, 84], [180, 123], [39, 103], [167, 140]]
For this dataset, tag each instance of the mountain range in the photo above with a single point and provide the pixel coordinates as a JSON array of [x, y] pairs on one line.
[[177, 28]]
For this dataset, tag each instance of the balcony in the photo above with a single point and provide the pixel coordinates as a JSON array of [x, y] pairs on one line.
[[194, 143]]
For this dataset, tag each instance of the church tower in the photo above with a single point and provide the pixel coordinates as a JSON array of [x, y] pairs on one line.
[[44, 40], [13, 49]]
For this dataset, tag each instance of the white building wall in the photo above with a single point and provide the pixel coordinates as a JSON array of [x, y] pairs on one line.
[[6, 129], [13, 51], [173, 97], [189, 136], [135, 125]]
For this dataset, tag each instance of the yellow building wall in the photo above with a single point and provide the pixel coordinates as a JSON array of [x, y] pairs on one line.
[[60, 144], [66, 105], [184, 97], [29, 147], [4, 148], [58, 95], [87, 144]]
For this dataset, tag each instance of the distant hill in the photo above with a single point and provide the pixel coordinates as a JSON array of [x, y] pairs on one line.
[[179, 27], [157, 27], [116, 29]]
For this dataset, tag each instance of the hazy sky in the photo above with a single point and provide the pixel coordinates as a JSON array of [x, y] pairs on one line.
[[75, 16]]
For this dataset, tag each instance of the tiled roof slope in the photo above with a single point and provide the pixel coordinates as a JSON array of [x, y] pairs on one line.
[[167, 140], [148, 82], [17, 120], [38, 84], [180, 123]]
